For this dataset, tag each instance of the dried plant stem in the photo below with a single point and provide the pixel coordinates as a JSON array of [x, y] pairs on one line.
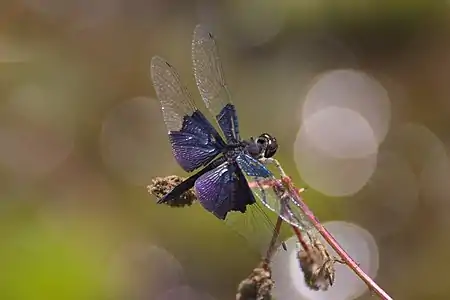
[[273, 242], [375, 288]]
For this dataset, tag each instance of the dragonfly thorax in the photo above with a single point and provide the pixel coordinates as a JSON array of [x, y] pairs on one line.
[[233, 150]]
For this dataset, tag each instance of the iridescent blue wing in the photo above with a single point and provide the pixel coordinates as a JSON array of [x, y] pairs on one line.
[[272, 193], [252, 167], [195, 142], [211, 83], [224, 192]]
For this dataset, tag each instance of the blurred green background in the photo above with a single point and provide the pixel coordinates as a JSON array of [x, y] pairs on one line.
[[81, 136]]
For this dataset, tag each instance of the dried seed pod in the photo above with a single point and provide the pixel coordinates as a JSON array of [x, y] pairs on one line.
[[317, 265], [163, 185], [258, 285]]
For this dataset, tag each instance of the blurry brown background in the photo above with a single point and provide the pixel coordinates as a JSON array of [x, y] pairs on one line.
[[81, 135]]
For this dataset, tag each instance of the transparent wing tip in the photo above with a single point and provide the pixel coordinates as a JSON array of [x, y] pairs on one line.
[[155, 60], [156, 63], [158, 60], [198, 27], [201, 33]]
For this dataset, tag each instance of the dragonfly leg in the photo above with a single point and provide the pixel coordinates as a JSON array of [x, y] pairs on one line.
[[338, 260], [275, 162]]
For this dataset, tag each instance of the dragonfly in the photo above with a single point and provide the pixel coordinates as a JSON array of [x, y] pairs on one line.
[[225, 163], [232, 173]]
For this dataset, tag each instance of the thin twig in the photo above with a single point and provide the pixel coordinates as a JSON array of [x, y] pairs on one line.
[[273, 242]]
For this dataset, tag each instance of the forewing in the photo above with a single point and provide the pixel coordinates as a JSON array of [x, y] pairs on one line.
[[272, 193], [211, 82], [195, 142]]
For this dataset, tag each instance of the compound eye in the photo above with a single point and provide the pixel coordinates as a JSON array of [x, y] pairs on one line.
[[272, 147], [262, 140]]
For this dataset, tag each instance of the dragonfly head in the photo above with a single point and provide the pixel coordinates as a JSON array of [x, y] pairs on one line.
[[267, 144]]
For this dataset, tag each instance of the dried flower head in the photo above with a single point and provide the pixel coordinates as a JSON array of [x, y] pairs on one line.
[[258, 285], [317, 265], [163, 185]]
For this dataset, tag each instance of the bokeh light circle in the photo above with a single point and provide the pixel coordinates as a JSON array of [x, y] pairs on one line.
[[418, 144], [354, 90], [428, 156], [335, 166], [341, 133], [358, 243], [386, 204]]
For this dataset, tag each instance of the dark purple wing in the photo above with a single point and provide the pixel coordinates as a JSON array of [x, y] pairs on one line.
[[222, 190], [211, 83], [195, 142]]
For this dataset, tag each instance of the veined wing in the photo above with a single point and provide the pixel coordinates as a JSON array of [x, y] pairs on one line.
[[256, 226], [271, 192], [195, 142], [224, 192], [211, 83]]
